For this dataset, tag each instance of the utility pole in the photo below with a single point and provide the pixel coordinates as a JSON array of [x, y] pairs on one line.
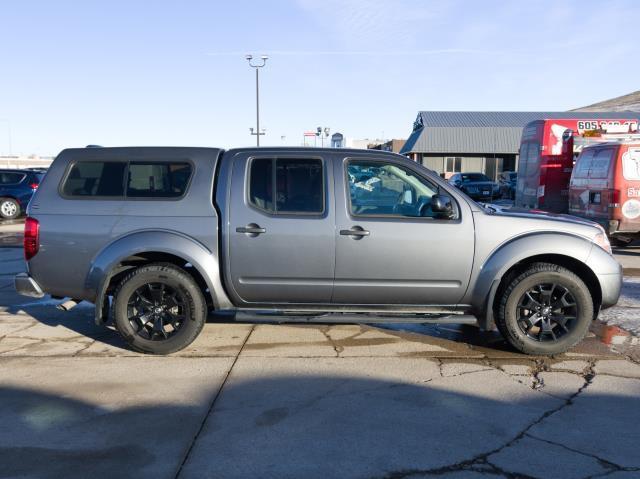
[[257, 67]]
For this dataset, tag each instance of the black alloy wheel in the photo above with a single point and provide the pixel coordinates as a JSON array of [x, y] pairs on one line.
[[547, 312], [156, 311]]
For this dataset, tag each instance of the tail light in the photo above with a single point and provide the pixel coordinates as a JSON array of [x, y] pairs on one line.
[[31, 238], [614, 201], [34, 186]]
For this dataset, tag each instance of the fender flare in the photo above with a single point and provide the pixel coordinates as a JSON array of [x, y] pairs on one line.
[[157, 241], [514, 251]]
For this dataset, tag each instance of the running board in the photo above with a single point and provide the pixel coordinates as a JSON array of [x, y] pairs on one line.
[[351, 318]]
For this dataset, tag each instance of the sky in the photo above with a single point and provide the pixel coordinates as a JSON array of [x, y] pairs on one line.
[[138, 72]]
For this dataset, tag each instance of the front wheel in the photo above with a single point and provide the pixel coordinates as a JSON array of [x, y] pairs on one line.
[[545, 310], [159, 309]]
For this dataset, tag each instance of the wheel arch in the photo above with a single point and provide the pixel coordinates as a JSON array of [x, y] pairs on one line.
[[509, 260], [137, 249]]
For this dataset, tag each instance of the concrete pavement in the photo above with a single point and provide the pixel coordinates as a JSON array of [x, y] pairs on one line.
[[396, 401]]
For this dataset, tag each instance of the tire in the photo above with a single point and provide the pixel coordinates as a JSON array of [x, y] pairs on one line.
[[9, 208], [560, 327], [159, 309]]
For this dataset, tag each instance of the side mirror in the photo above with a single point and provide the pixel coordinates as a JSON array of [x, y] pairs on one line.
[[442, 206]]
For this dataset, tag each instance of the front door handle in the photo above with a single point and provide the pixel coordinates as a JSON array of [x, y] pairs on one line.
[[251, 229], [356, 232]]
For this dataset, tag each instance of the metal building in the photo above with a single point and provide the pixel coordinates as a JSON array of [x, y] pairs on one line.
[[487, 141]]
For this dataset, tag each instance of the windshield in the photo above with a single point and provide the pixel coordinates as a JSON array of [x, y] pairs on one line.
[[467, 177]]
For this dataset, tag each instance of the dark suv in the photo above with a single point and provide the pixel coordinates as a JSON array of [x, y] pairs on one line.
[[478, 186], [16, 189]]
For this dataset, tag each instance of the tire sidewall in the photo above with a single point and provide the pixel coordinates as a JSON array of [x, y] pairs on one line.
[[579, 328], [195, 314]]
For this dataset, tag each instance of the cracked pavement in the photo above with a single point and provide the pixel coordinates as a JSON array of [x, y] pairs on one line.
[[353, 401]]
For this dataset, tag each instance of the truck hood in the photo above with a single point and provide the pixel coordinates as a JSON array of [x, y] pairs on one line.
[[528, 220]]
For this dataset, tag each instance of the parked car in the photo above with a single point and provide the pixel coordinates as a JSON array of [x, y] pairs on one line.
[[508, 181], [16, 189], [157, 237], [605, 187], [477, 186]]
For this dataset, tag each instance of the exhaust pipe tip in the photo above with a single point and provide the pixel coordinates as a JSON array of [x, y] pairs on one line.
[[68, 305]]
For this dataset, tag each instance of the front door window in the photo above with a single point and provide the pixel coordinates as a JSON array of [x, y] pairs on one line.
[[385, 189]]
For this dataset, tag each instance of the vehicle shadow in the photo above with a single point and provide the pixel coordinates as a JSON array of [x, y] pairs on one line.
[[311, 425], [81, 321]]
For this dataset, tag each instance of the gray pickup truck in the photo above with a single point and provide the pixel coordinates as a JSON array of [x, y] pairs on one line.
[[159, 237]]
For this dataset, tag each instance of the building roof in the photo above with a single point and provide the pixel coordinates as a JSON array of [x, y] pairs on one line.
[[630, 102], [483, 131]]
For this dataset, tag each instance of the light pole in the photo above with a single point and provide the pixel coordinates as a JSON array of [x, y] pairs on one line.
[[257, 67], [321, 130]]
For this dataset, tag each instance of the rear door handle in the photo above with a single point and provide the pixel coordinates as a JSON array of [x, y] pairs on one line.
[[251, 229], [357, 232]]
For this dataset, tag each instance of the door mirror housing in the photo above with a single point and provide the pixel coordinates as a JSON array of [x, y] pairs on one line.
[[441, 205]]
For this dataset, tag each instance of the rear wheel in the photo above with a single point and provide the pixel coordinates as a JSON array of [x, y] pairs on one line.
[[9, 208], [545, 310], [159, 309]]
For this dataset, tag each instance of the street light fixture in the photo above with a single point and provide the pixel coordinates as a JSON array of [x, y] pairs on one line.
[[321, 130], [257, 67]]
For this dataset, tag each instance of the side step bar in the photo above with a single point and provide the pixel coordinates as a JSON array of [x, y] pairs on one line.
[[351, 318]]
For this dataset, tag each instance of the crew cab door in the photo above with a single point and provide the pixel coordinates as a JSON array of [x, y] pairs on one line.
[[390, 247], [281, 238]]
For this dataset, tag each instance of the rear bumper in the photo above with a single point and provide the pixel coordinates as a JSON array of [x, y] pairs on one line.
[[27, 286]]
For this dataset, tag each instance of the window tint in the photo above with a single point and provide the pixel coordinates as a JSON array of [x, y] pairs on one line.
[[297, 183], [10, 178], [533, 159], [261, 183], [387, 189], [469, 177], [600, 163], [95, 178], [157, 180], [583, 164]]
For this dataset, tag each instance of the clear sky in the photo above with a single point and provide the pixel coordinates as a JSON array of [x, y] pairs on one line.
[[157, 72]]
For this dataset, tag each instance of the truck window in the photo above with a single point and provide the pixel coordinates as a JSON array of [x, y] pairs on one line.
[[8, 178], [600, 163], [157, 180], [533, 159], [583, 164], [386, 189], [297, 182], [95, 178]]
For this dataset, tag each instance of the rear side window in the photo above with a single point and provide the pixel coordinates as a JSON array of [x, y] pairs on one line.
[[583, 164], [8, 178], [157, 180], [533, 159], [600, 163], [120, 179], [95, 178], [287, 185]]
